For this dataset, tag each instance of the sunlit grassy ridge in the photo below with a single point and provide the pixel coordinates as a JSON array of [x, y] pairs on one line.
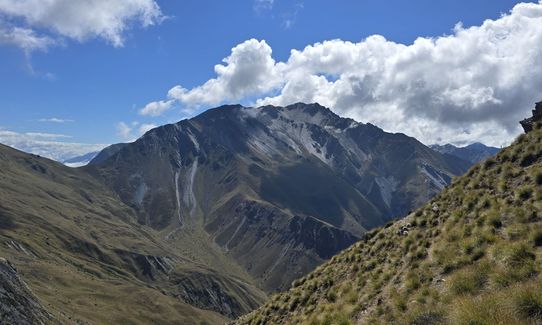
[[470, 256]]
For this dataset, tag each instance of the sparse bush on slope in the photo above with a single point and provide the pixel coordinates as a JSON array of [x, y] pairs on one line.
[[470, 256]]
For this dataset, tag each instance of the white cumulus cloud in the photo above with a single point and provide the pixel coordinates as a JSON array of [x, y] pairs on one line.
[[36, 24], [249, 70], [131, 131], [156, 108], [55, 120], [472, 85], [143, 128], [24, 38], [124, 130]]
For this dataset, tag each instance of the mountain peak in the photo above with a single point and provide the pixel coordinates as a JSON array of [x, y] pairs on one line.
[[473, 153], [237, 171], [312, 113], [477, 145], [311, 108]]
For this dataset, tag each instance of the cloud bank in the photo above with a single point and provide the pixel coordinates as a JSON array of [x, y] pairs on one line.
[[472, 85], [156, 108], [47, 144], [37, 24]]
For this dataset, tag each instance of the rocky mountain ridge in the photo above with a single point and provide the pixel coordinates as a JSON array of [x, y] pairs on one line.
[[268, 184]]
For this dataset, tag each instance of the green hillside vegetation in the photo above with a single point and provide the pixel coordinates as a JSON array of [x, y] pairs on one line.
[[82, 253], [472, 255]]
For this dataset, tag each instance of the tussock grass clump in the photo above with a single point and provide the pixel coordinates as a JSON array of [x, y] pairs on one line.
[[538, 176], [519, 263], [516, 232], [494, 220], [527, 159], [527, 302], [412, 282], [537, 238], [481, 310], [428, 318], [524, 193], [518, 255], [331, 295], [469, 281]]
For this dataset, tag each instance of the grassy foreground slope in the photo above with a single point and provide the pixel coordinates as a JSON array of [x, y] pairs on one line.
[[470, 256]]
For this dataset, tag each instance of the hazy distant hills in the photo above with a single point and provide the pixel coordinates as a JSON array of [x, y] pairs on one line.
[[81, 160], [470, 256], [278, 189], [472, 153], [95, 156]]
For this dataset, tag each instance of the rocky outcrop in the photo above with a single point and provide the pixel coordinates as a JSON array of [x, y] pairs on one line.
[[325, 240], [18, 305], [528, 123], [213, 292]]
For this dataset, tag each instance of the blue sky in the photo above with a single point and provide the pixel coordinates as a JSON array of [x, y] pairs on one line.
[[94, 84]]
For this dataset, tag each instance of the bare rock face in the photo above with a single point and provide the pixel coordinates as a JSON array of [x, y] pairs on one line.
[[18, 305], [528, 123]]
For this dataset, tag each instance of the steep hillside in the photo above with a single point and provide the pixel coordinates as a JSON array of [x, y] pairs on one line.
[[470, 256], [473, 153], [18, 305], [107, 152], [278, 189], [84, 256]]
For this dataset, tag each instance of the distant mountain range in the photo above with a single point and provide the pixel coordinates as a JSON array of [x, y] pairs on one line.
[[472, 153], [207, 216]]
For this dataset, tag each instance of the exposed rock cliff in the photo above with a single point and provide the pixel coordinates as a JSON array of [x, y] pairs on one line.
[[18, 305]]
